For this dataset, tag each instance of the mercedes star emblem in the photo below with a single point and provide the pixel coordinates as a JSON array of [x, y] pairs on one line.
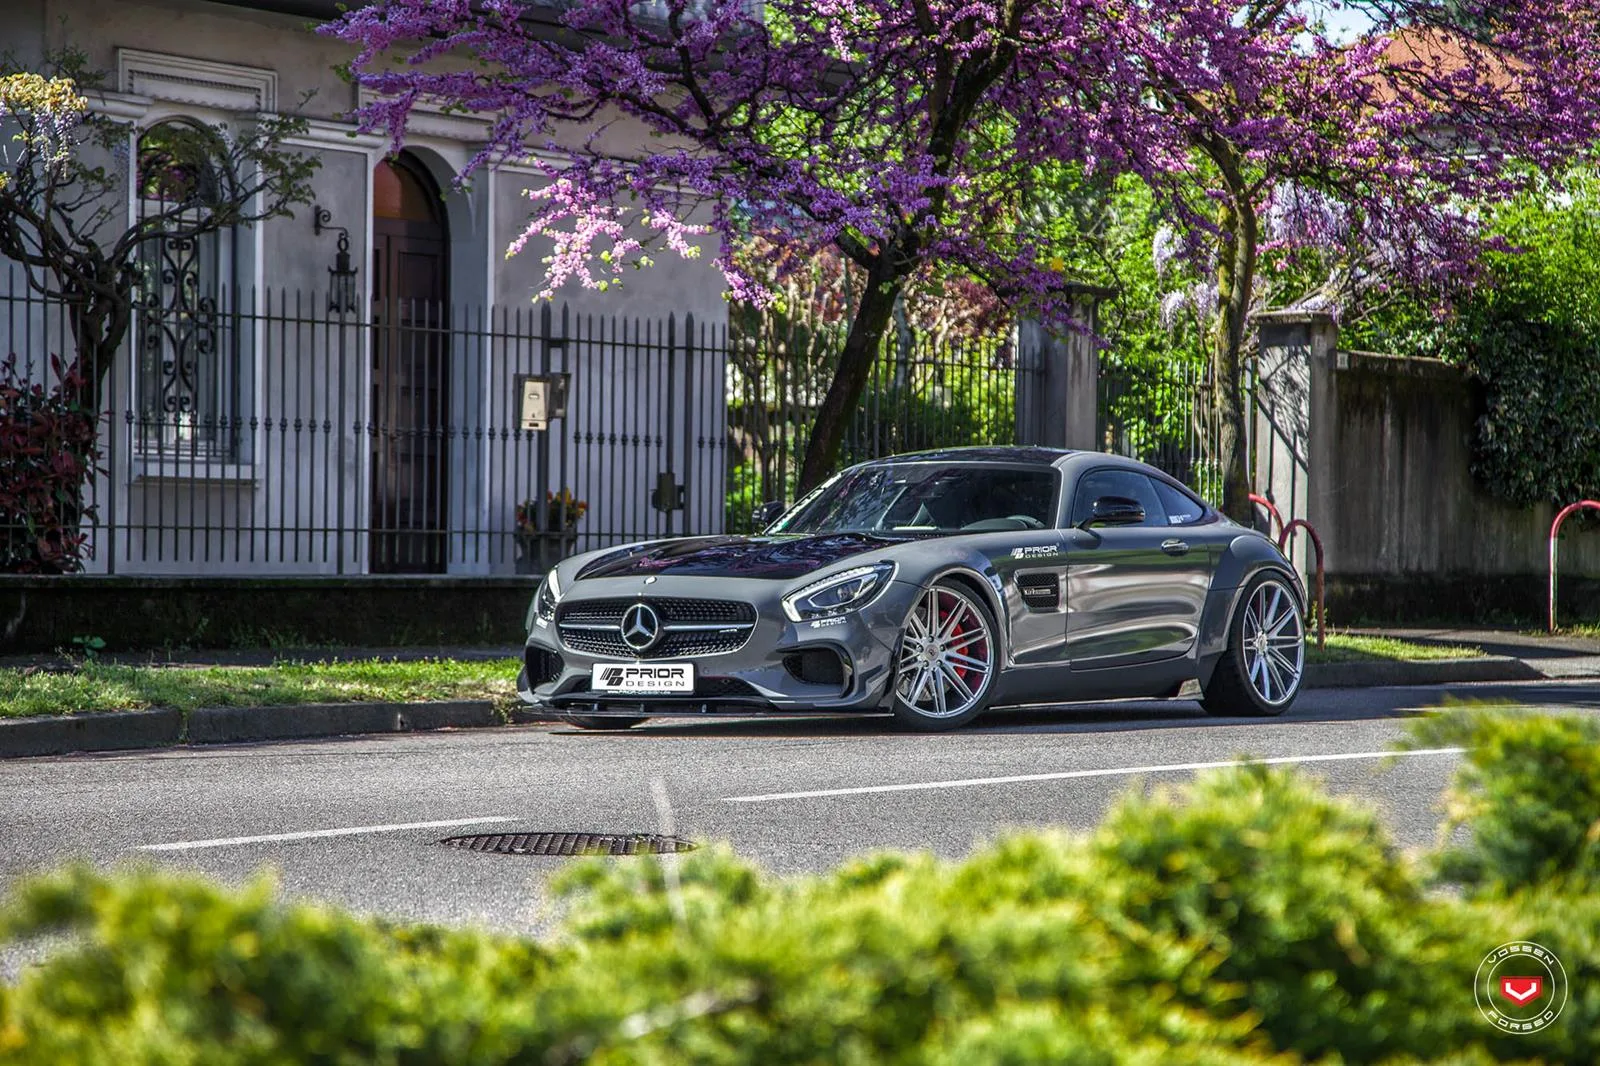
[[640, 626]]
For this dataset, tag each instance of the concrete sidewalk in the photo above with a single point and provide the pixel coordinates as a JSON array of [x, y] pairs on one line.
[[1558, 656]]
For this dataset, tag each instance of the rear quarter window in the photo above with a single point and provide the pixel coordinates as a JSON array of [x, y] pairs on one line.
[[1182, 508]]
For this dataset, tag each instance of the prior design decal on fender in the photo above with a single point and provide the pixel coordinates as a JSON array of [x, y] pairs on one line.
[[821, 622], [1042, 551]]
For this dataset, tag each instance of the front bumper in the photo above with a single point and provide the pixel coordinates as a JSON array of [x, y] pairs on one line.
[[763, 676]]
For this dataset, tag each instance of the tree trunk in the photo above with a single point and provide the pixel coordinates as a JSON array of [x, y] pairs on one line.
[[99, 326], [861, 347], [1236, 266]]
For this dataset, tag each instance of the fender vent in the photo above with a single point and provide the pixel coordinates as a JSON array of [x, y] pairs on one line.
[[1041, 592]]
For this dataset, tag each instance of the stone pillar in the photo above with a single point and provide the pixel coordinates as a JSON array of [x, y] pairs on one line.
[[1058, 377], [1297, 352]]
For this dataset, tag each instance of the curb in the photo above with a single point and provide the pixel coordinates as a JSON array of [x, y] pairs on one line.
[[1385, 672], [128, 730], [125, 730], [114, 731]]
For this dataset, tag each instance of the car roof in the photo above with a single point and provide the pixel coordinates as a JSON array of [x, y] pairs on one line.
[[1064, 459], [1027, 456]]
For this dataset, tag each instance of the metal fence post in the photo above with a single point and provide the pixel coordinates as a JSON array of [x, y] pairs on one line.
[[689, 418]]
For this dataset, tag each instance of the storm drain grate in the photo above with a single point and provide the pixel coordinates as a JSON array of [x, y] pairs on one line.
[[569, 843]]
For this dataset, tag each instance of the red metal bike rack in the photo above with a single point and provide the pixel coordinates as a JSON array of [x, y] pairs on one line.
[[1555, 528], [1284, 532], [1316, 544], [1272, 511]]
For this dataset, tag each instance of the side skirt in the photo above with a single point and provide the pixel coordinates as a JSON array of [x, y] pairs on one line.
[[1058, 684]]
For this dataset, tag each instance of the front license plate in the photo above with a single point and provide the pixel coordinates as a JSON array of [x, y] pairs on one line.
[[653, 679]]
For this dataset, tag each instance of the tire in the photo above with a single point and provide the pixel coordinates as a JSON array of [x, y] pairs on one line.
[[966, 682], [600, 722], [1260, 674]]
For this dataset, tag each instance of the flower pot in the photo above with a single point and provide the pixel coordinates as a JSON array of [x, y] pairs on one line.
[[537, 553]]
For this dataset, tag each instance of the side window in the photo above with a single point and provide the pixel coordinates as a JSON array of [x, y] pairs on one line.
[[1127, 483], [1182, 509]]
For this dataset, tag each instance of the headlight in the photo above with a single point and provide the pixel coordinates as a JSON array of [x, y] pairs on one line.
[[844, 592], [543, 607]]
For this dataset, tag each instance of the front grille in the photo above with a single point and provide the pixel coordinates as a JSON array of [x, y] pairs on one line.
[[670, 646], [673, 611]]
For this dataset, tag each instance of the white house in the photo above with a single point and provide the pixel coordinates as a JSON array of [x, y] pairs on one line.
[[276, 415]]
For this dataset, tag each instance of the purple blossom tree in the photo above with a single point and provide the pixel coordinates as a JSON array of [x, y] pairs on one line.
[[908, 134], [1371, 159], [902, 133]]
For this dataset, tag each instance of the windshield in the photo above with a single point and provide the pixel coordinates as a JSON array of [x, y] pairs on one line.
[[927, 498]]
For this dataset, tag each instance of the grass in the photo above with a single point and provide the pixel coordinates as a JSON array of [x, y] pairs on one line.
[[102, 687], [1588, 630], [1351, 648]]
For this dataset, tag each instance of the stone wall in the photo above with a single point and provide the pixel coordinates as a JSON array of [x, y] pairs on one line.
[[1375, 451]]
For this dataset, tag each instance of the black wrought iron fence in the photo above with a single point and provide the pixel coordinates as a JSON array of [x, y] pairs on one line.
[[1162, 414], [256, 433], [925, 394]]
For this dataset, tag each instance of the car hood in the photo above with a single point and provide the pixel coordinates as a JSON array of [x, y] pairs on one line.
[[770, 557]]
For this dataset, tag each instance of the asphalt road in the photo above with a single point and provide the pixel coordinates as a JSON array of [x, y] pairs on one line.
[[751, 782]]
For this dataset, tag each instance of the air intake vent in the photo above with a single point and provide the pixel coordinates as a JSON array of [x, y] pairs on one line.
[[543, 666], [816, 666], [1041, 592]]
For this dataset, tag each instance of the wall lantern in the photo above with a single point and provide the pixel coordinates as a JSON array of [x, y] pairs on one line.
[[342, 275]]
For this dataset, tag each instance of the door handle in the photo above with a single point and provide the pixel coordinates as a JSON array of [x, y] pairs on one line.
[[1174, 546]]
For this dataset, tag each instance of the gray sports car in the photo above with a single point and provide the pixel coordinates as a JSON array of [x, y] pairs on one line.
[[929, 586]]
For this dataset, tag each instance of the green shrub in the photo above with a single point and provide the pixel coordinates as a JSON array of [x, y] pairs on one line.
[[1317, 926], [1528, 793], [1245, 918]]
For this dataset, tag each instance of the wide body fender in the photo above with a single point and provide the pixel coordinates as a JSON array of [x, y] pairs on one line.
[[1245, 556]]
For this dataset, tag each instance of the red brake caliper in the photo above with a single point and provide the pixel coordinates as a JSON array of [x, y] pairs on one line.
[[956, 635]]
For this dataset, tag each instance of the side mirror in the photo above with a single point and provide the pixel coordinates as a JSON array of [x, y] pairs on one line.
[[766, 514], [1114, 511]]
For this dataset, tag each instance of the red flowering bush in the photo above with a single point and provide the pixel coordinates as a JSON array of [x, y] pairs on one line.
[[49, 444]]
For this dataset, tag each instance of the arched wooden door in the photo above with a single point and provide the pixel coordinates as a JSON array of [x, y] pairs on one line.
[[410, 370]]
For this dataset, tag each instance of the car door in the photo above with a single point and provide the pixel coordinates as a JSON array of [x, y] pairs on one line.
[[1134, 592], [1032, 570]]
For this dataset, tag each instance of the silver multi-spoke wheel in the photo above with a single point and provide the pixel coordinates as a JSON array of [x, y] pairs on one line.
[[946, 655], [1274, 643]]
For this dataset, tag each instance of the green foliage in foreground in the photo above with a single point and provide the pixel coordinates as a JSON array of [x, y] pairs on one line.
[[1529, 796], [1245, 918], [97, 686]]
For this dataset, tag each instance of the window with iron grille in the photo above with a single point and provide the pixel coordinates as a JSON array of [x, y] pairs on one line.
[[187, 366]]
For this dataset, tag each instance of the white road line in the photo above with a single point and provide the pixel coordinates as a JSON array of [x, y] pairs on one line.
[[317, 834], [1066, 775]]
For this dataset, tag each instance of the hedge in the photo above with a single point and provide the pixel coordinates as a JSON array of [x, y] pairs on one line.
[[1244, 918]]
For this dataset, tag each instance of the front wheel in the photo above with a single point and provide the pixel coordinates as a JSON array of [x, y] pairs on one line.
[[1259, 674], [947, 660]]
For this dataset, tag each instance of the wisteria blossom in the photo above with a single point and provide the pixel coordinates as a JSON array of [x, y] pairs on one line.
[[47, 111], [907, 134]]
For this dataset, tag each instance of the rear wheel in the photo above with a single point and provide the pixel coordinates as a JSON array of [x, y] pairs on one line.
[[1260, 672], [946, 665], [600, 721]]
